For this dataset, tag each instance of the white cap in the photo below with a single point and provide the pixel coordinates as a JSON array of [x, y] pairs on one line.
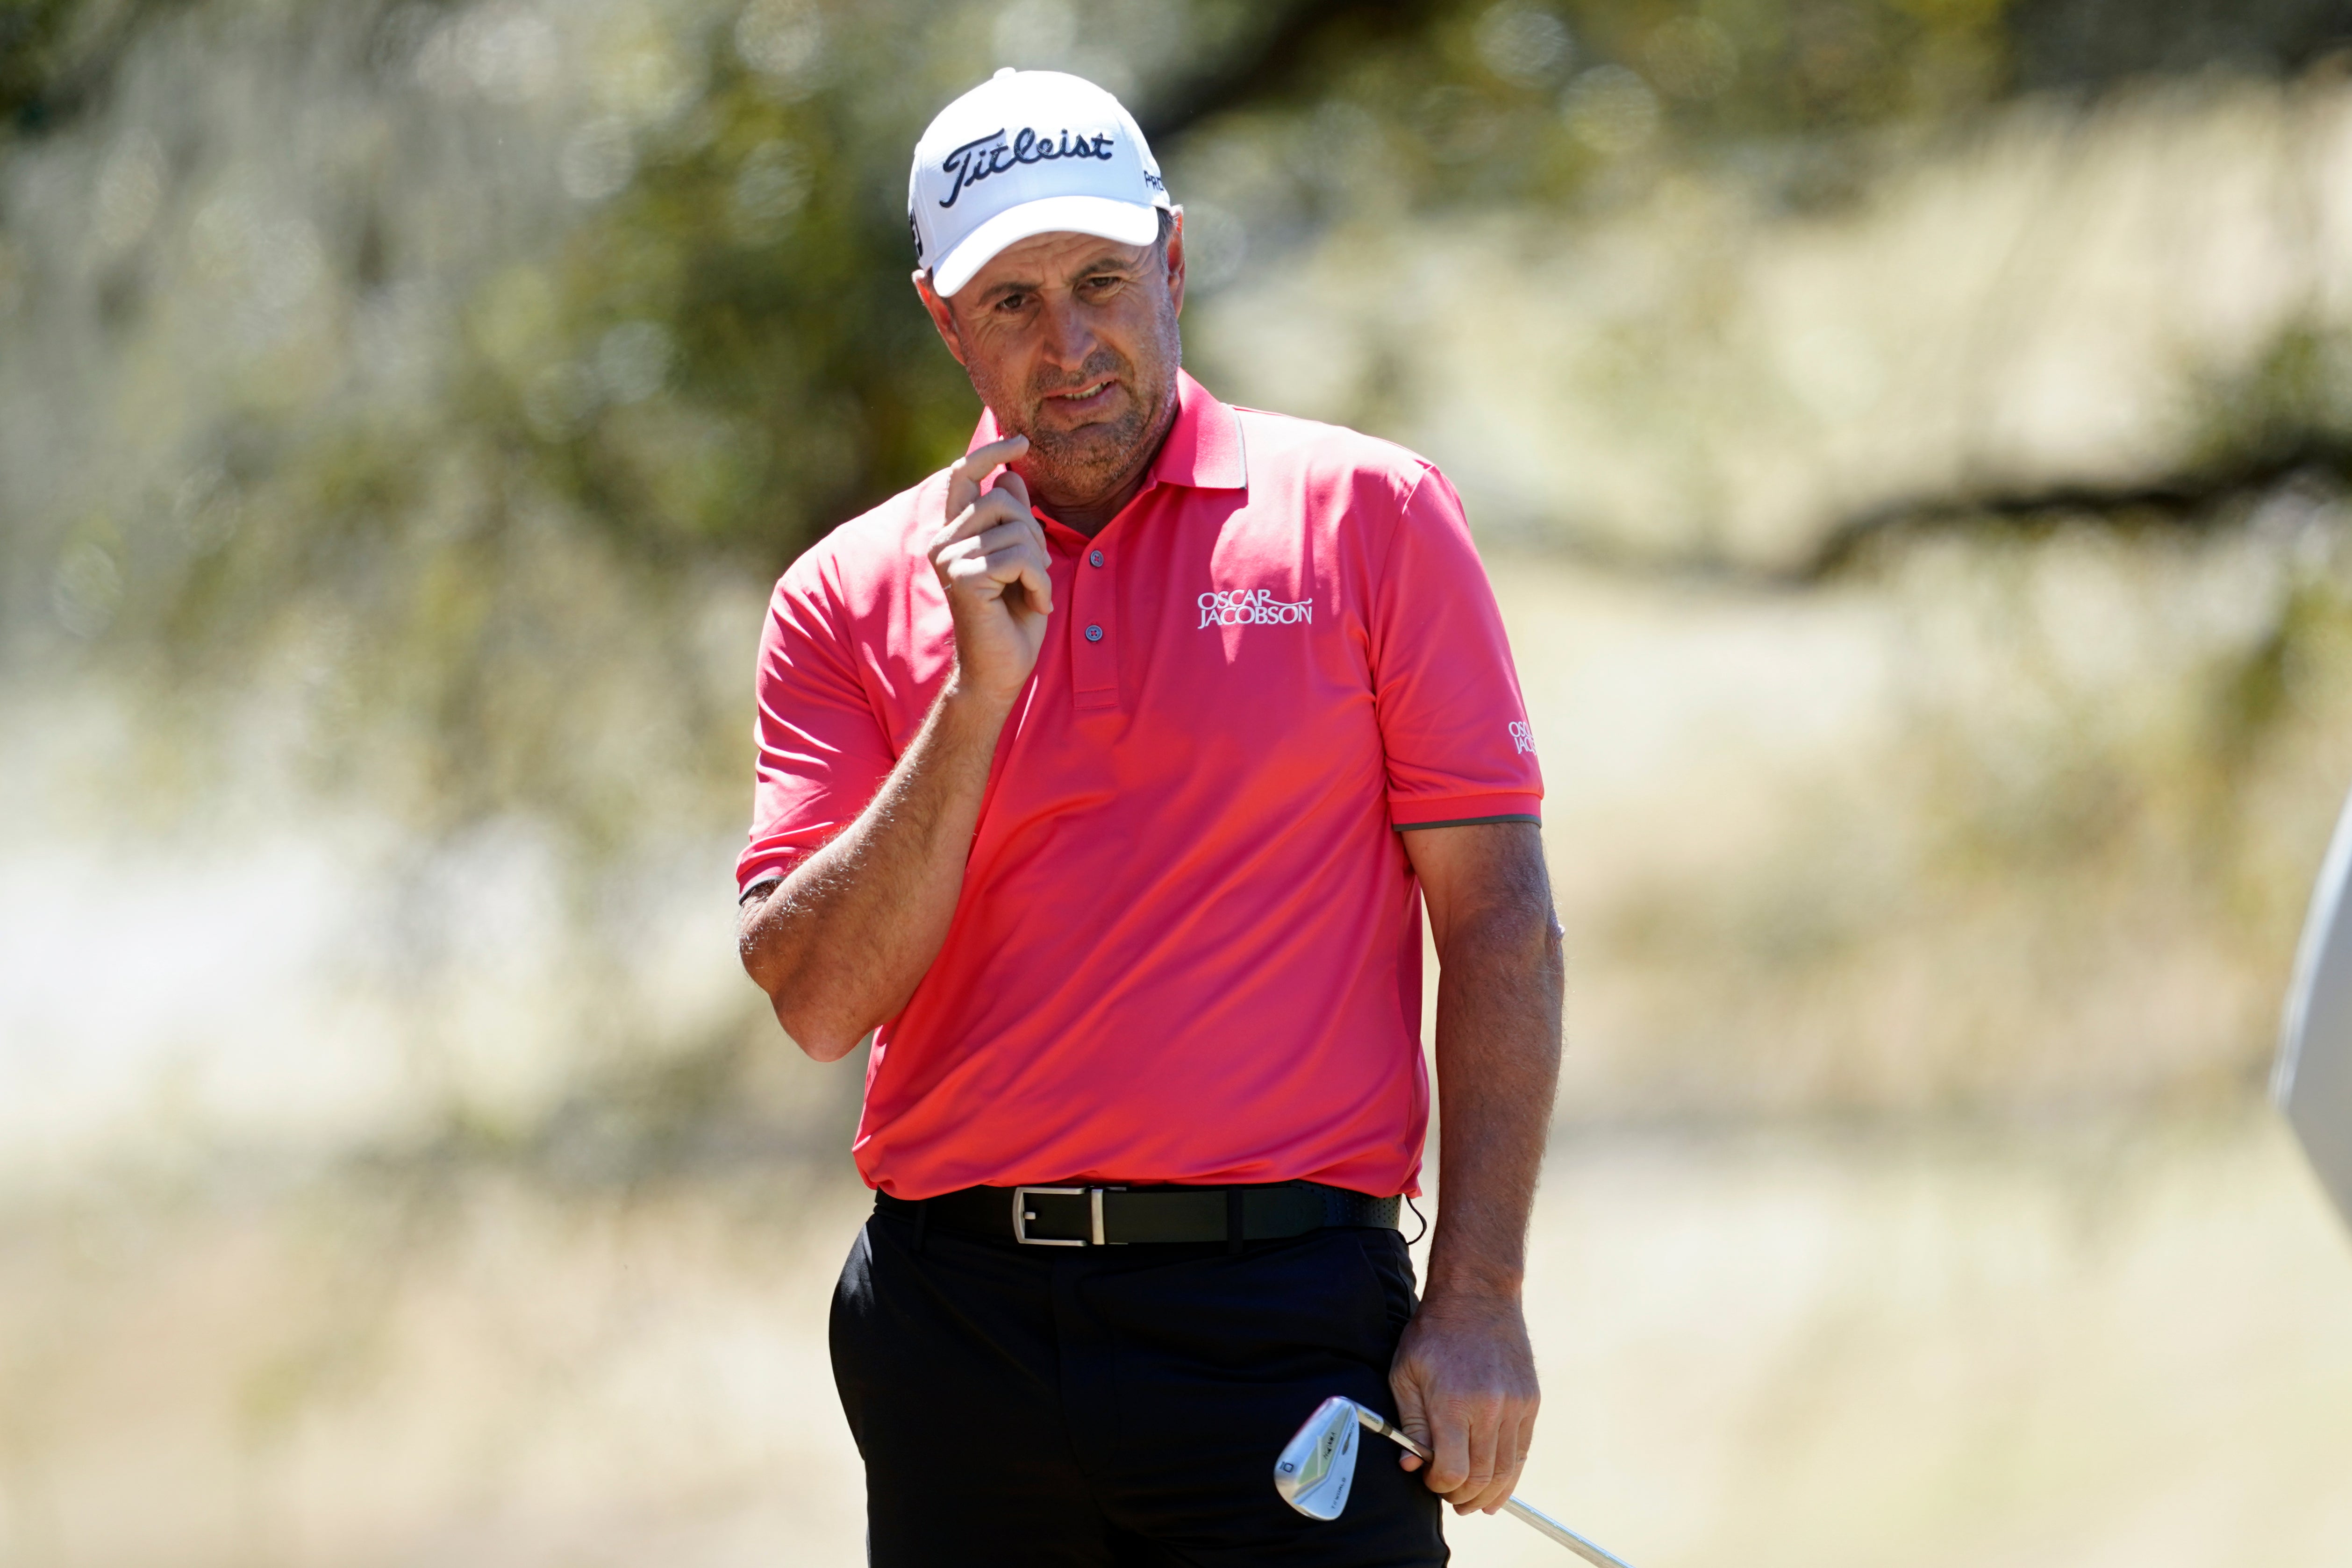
[[1024, 153]]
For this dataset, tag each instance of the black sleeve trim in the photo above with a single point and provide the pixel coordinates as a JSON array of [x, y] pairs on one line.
[[1465, 823]]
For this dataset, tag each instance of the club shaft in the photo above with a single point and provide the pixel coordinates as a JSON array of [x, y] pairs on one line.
[[1534, 1519], [1543, 1523]]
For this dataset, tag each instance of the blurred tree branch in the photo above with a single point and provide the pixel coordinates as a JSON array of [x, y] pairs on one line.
[[2190, 498], [2086, 43], [1271, 65]]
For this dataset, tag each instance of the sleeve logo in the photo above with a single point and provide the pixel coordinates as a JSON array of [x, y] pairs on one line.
[[1523, 736], [1252, 607]]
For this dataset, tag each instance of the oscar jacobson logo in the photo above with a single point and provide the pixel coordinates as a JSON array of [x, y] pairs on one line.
[[1252, 607]]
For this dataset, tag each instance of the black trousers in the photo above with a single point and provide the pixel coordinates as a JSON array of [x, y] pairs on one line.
[[1065, 1407]]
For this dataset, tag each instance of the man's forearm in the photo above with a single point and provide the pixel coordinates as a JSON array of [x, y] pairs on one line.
[[1498, 1008], [841, 942], [1464, 1374]]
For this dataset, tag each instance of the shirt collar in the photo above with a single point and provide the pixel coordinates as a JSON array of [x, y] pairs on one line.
[[1203, 448]]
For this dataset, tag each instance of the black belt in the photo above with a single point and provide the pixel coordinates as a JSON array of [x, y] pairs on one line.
[[1118, 1215]]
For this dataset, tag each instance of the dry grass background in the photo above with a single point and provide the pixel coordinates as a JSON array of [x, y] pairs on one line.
[[1822, 1273], [2096, 1340]]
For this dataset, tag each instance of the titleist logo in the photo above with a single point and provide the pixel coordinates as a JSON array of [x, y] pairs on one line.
[[976, 160]]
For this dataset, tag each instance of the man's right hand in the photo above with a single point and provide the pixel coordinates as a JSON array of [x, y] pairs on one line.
[[989, 555], [843, 940]]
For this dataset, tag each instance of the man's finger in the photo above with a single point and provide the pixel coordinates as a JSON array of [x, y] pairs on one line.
[[1480, 1436], [1411, 1419], [982, 513], [1002, 540], [1506, 1468], [1018, 563], [1036, 579], [1003, 536], [1513, 1426], [966, 472], [1010, 483], [1009, 557], [1017, 486], [1449, 1449], [1506, 1478]]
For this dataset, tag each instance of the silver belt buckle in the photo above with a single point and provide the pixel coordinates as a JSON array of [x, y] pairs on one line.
[[1022, 1216]]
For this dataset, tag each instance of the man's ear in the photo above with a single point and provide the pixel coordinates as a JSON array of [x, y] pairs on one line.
[[942, 315], [1176, 260]]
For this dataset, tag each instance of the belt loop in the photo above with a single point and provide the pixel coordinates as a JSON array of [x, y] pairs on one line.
[[1232, 1221], [922, 1224]]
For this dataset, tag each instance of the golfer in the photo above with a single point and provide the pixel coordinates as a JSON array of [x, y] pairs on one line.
[[1103, 779]]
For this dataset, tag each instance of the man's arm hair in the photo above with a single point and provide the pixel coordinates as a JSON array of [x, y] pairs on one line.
[[840, 943], [1465, 1374], [1498, 1036], [843, 941]]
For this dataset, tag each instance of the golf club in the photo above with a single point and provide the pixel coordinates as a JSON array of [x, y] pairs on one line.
[[1319, 1465], [2313, 1082]]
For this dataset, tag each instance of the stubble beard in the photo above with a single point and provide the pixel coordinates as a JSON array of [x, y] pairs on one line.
[[1089, 461], [1082, 465]]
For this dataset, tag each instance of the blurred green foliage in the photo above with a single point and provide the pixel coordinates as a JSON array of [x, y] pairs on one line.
[[726, 355], [415, 397], [705, 352], [31, 34]]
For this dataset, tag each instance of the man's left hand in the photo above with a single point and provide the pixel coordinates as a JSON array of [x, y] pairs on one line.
[[1465, 1381]]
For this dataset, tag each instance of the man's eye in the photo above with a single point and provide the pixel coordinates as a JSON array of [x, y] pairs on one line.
[[1011, 303]]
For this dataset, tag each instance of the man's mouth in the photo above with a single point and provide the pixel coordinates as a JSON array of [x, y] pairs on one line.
[[1086, 399]]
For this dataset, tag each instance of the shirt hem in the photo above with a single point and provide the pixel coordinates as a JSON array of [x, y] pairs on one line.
[[1502, 806], [769, 871], [916, 1191]]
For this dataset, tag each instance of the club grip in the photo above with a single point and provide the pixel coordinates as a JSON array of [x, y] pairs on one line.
[[1390, 1430]]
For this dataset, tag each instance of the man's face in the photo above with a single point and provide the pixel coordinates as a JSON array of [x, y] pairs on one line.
[[1072, 340]]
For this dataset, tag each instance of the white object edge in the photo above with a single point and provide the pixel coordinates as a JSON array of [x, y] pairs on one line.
[[2312, 1081]]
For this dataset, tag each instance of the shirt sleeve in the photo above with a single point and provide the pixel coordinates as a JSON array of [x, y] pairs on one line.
[[823, 751], [1452, 721]]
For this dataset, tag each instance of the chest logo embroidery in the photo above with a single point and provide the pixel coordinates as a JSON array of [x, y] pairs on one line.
[[1252, 607], [1523, 736]]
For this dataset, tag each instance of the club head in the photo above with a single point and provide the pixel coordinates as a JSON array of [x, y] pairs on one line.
[[1319, 1465]]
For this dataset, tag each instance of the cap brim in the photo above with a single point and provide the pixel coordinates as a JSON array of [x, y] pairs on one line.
[[1129, 223]]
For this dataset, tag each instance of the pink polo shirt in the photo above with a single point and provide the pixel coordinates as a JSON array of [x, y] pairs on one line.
[[1188, 947]]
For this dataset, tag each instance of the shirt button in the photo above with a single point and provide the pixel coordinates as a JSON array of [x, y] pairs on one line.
[[1094, 633], [1095, 559]]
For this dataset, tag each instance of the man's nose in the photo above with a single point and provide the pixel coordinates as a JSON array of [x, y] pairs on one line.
[[1069, 335]]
